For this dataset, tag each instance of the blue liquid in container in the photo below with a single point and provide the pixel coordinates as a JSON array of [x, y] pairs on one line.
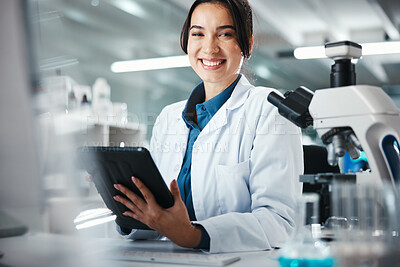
[[287, 262]]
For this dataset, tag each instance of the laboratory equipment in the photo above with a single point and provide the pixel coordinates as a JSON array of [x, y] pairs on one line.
[[352, 118], [349, 117], [101, 102], [365, 225], [306, 248]]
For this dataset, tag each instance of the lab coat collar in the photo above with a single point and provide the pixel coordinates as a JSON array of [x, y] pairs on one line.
[[197, 96], [237, 99], [240, 94]]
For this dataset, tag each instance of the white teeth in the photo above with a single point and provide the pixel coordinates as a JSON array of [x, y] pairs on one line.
[[212, 63]]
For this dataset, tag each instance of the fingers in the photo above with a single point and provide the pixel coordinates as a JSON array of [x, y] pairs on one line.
[[148, 196], [174, 188], [131, 214], [135, 210], [138, 202], [147, 211]]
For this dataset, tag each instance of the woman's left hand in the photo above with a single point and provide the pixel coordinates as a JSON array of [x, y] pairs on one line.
[[173, 222]]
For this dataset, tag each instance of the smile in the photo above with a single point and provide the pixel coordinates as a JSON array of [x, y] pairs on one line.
[[212, 63]]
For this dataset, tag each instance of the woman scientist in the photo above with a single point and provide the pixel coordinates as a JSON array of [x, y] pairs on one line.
[[231, 160]]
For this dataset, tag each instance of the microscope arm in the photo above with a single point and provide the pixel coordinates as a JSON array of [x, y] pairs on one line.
[[371, 115]]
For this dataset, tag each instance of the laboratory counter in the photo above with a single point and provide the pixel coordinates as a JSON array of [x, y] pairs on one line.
[[44, 249]]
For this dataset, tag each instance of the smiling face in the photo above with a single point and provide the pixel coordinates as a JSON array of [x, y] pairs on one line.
[[213, 50]]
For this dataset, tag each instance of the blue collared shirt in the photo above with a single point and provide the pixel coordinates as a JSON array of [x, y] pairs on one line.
[[196, 115]]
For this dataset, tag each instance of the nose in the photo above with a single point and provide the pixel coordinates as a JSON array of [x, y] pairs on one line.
[[210, 45]]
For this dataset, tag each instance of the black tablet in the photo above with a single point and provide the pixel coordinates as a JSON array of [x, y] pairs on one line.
[[117, 165]]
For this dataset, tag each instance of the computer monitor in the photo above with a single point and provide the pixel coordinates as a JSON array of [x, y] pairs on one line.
[[21, 195]]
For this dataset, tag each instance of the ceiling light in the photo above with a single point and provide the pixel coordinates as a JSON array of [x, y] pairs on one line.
[[309, 52], [76, 15], [150, 64], [95, 3], [130, 7], [380, 48]]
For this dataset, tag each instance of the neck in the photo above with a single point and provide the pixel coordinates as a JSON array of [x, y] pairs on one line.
[[213, 89]]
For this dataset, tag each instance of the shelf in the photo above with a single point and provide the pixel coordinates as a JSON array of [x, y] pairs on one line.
[[91, 129]]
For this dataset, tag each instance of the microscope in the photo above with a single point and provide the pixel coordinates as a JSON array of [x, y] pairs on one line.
[[348, 118]]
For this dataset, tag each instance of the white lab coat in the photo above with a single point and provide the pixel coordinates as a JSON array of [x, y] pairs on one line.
[[245, 171]]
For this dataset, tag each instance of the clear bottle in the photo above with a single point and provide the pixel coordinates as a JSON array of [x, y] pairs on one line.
[[101, 103], [306, 248]]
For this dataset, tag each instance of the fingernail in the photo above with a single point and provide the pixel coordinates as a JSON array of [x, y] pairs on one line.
[[116, 186], [115, 197], [134, 179]]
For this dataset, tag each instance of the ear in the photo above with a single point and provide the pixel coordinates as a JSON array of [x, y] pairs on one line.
[[251, 44]]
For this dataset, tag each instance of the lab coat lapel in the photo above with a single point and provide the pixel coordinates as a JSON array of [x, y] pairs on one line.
[[238, 97], [182, 137], [217, 121]]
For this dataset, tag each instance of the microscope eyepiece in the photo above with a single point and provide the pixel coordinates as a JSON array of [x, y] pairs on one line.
[[275, 99], [294, 105]]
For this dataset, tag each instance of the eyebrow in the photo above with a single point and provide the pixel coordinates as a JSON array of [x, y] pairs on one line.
[[218, 28]]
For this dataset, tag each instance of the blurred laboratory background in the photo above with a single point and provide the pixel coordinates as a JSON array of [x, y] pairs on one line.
[[79, 97], [81, 39]]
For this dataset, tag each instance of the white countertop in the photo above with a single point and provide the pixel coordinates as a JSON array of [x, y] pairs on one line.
[[43, 249]]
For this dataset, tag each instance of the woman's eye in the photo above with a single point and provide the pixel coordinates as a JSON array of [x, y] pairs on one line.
[[197, 34], [226, 34]]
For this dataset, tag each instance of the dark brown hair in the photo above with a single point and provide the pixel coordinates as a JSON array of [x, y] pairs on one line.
[[242, 17]]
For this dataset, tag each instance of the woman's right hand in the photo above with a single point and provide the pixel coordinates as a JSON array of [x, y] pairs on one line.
[[173, 222]]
